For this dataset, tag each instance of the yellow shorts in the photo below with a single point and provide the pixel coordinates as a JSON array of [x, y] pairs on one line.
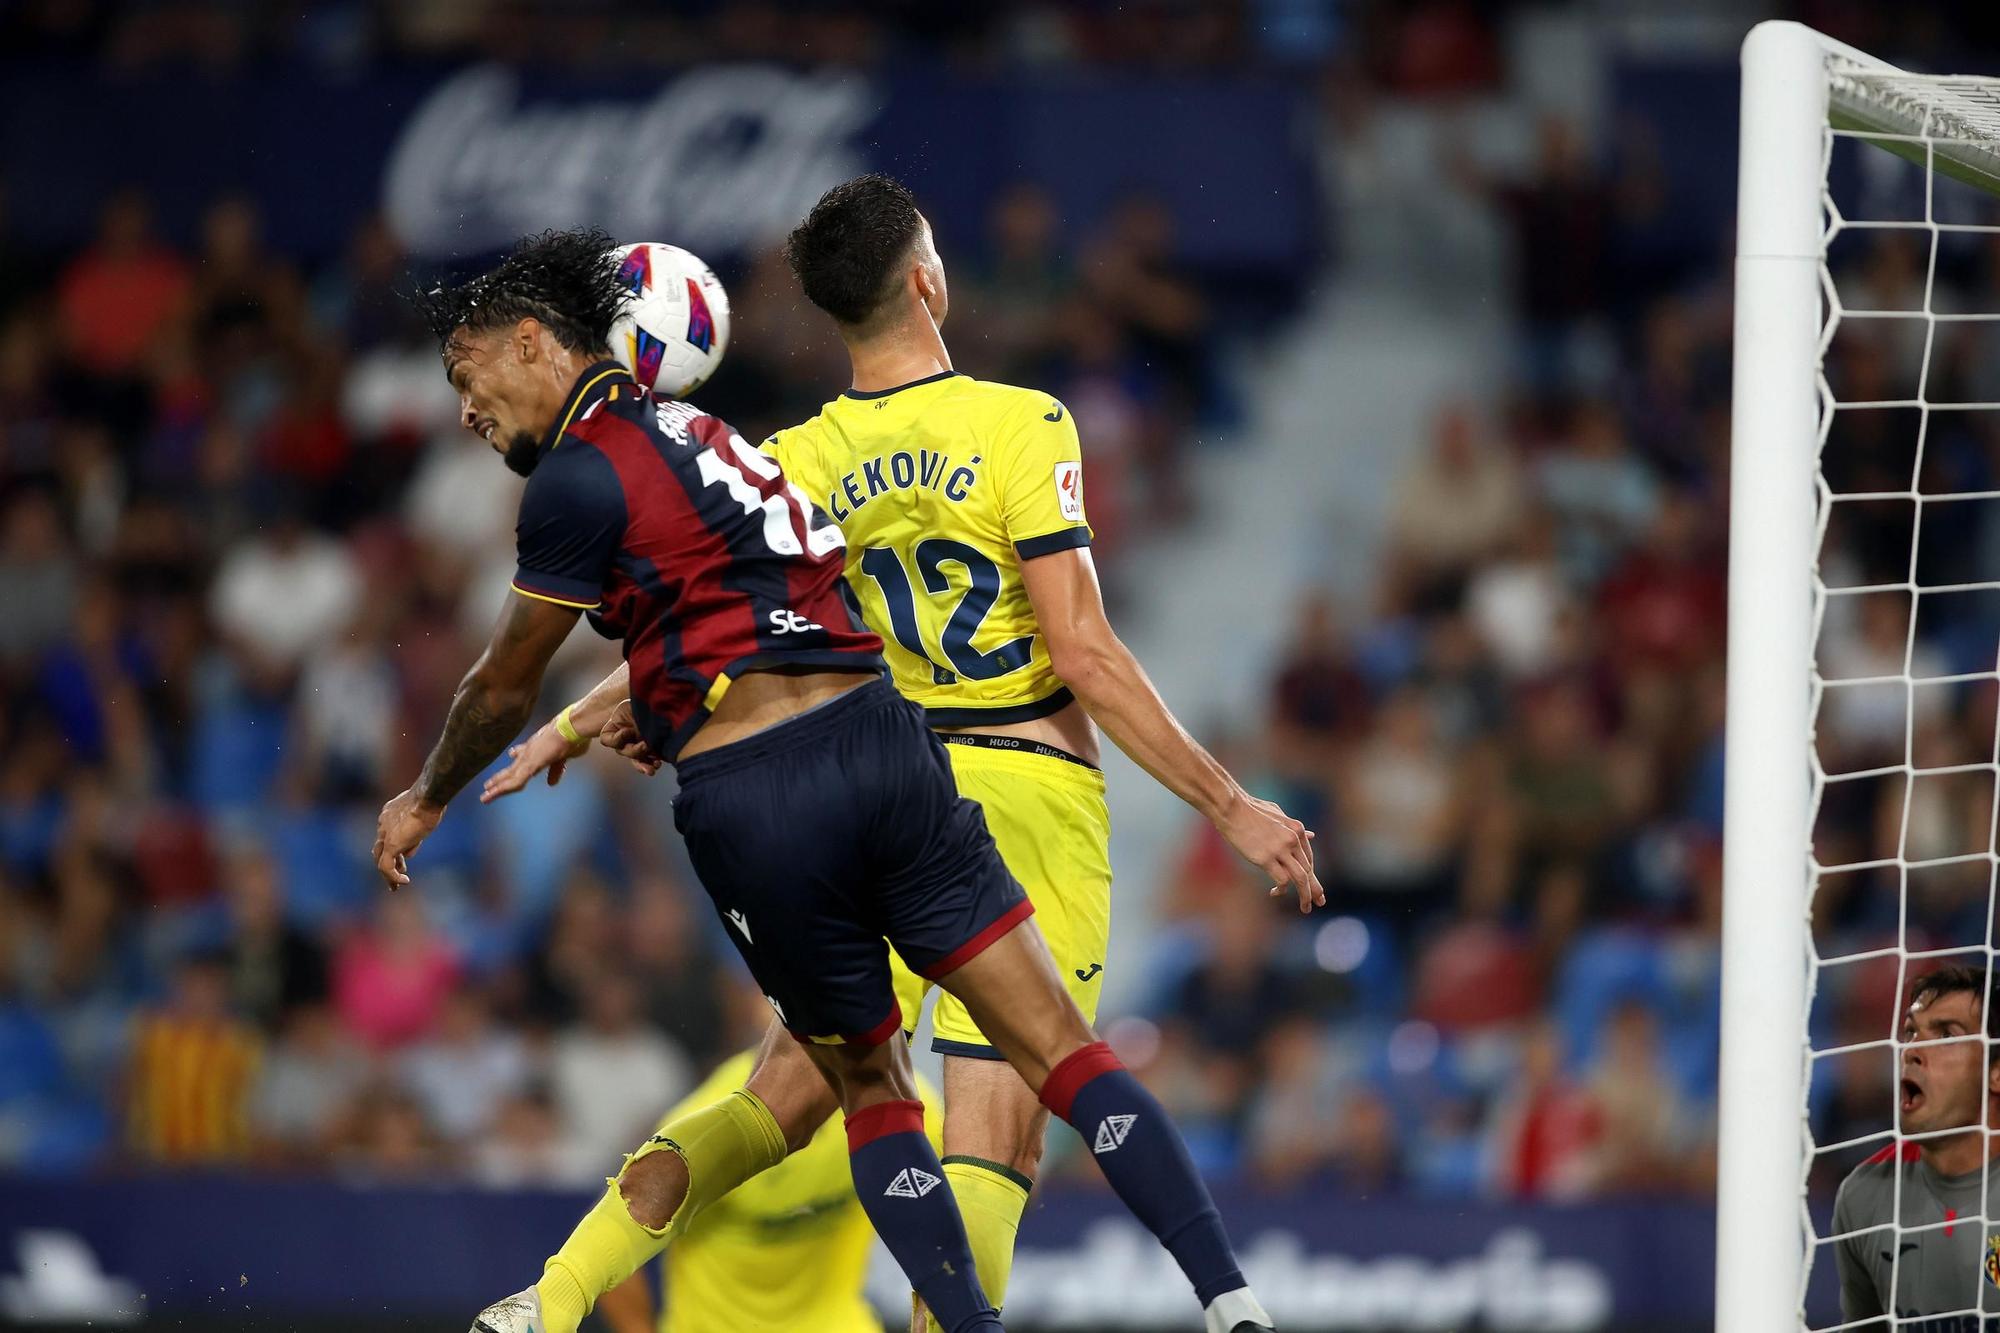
[[1048, 818]]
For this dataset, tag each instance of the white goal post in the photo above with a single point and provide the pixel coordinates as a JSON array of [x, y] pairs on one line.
[[1802, 94]]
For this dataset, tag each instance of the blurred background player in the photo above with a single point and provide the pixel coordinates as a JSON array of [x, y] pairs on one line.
[[1948, 1105], [786, 1251], [972, 492]]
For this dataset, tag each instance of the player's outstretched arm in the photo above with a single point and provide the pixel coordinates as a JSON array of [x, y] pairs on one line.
[[560, 739], [1108, 680], [492, 705]]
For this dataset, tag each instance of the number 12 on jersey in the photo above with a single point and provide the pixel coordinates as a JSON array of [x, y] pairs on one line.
[[954, 651]]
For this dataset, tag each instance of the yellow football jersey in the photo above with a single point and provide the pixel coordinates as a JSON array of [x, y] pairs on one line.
[[785, 1250], [942, 488]]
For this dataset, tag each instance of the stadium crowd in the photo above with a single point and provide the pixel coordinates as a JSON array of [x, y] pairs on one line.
[[245, 554]]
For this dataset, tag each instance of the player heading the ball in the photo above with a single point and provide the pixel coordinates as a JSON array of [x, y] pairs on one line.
[[817, 806]]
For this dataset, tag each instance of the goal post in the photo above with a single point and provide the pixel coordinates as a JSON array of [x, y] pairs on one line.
[[1774, 433], [1802, 94]]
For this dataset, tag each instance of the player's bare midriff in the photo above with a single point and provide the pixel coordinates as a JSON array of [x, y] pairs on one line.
[[759, 700], [1069, 728]]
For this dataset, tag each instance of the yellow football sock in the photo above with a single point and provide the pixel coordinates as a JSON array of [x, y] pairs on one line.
[[991, 1199], [723, 1145]]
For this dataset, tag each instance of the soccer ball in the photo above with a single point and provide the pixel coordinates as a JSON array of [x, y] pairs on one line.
[[675, 327]]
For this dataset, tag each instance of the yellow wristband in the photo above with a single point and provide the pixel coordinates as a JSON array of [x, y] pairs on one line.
[[567, 729]]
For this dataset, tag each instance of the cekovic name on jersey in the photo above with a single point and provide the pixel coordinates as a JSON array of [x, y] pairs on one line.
[[943, 487], [1939, 1271], [677, 537]]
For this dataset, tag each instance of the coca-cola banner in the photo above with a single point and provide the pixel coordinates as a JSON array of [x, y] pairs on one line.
[[212, 1252], [722, 159]]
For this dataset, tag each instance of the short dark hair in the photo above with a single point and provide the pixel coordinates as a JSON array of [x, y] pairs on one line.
[[1953, 979], [848, 251], [566, 279]]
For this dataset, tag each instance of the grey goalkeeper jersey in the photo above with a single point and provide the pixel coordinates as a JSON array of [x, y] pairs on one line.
[[1946, 1273]]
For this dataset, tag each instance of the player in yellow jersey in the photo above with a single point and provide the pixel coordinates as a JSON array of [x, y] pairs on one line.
[[961, 505], [967, 544], [786, 1251]]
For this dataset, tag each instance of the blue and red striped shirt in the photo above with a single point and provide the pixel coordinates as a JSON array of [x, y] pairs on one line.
[[677, 537]]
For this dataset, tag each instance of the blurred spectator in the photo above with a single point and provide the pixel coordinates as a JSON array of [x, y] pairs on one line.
[[1599, 493], [307, 1088], [364, 301], [1455, 507], [1475, 976], [38, 578], [611, 1073], [1399, 806], [1559, 216], [1518, 601], [1558, 802], [118, 297], [681, 983], [274, 968], [1665, 608], [347, 714], [1291, 1138], [281, 596], [193, 1069], [390, 1142], [466, 1067], [525, 1148], [1866, 723], [1015, 296], [1646, 1129], [390, 979], [1545, 1128], [1317, 695]]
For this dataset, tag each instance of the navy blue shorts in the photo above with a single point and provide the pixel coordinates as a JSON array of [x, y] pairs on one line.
[[828, 834]]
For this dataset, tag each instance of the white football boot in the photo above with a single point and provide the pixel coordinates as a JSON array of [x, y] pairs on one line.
[[519, 1313]]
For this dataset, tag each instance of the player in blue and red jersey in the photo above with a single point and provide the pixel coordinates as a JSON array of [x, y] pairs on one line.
[[817, 806]]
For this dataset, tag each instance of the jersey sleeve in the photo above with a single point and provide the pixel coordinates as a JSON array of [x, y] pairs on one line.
[[1858, 1298], [1041, 482], [572, 519], [793, 452]]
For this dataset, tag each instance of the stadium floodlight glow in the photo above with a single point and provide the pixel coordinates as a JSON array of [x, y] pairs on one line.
[[1804, 94]]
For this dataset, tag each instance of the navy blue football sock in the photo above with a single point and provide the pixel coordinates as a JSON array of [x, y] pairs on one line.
[[903, 1190], [1141, 1154]]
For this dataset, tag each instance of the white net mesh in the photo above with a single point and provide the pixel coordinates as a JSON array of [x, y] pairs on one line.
[[1906, 606]]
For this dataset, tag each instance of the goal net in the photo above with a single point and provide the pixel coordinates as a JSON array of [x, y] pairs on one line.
[[1865, 549]]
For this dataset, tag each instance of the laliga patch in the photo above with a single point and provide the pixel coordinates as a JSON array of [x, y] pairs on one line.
[[1069, 491]]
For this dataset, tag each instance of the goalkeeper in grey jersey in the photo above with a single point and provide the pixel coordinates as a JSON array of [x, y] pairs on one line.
[[1945, 1278]]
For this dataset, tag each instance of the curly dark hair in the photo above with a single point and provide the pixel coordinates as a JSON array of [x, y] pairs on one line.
[[566, 279], [847, 252]]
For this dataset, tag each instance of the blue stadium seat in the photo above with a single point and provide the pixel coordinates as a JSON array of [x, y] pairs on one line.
[[1606, 967], [236, 752]]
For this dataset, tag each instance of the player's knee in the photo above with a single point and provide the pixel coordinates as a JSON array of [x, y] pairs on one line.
[[1027, 1156], [869, 1077], [653, 1187]]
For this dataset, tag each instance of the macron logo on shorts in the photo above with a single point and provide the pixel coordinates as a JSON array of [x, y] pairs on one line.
[[741, 922], [911, 1183], [1111, 1134]]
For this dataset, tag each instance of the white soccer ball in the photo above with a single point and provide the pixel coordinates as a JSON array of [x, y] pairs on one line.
[[675, 327]]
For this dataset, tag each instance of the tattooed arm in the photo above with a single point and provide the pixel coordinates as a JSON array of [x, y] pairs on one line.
[[492, 705]]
